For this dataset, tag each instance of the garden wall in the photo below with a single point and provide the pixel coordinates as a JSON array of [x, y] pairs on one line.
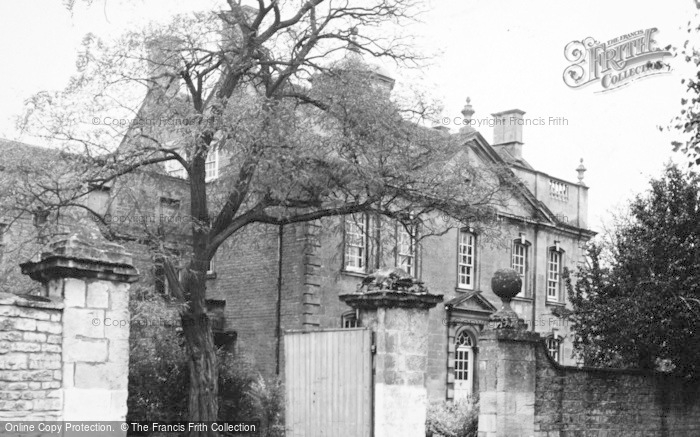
[[613, 402], [523, 392]]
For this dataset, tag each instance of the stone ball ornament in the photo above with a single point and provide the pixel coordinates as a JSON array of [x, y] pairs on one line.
[[506, 283]]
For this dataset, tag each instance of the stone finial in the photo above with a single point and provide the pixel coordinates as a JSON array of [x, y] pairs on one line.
[[82, 256], [506, 284], [581, 170], [468, 110], [467, 113]]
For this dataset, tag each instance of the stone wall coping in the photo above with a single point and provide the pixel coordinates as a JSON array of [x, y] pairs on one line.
[[516, 335], [88, 248], [391, 299], [30, 301], [59, 267], [510, 334], [616, 371], [80, 256]]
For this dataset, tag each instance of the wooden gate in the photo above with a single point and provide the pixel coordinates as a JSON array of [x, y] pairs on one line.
[[328, 380]]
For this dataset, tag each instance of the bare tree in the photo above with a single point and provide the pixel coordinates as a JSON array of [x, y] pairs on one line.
[[306, 129]]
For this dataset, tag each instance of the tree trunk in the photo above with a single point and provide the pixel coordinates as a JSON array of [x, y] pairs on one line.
[[203, 404]]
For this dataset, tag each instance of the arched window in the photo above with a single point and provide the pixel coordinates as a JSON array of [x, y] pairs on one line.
[[554, 347], [464, 365]]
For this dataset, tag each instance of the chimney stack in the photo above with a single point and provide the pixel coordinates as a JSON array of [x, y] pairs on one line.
[[508, 131]]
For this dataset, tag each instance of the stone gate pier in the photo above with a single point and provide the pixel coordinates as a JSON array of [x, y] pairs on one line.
[[62, 357], [397, 314]]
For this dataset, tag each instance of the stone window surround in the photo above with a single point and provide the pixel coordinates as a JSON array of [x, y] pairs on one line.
[[473, 265], [560, 266], [413, 255], [553, 343], [525, 293], [349, 320], [364, 235], [3, 232], [212, 167]]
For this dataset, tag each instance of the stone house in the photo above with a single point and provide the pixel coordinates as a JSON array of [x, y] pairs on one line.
[[269, 279]]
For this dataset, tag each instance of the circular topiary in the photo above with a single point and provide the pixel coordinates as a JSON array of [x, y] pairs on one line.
[[506, 283]]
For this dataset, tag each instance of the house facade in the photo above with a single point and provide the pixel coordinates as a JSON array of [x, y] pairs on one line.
[[271, 279]]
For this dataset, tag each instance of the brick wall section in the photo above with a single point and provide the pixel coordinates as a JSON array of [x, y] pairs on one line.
[[30, 359], [605, 402], [246, 268]]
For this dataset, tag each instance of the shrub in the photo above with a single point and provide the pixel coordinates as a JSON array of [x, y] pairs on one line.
[[267, 402], [236, 376], [159, 376], [158, 371], [452, 419]]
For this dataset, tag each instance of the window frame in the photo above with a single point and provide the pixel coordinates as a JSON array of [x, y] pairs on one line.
[[412, 233], [3, 233], [363, 236], [517, 243], [161, 276], [211, 269], [349, 320], [472, 274], [175, 169], [215, 161], [554, 352], [557, 297]]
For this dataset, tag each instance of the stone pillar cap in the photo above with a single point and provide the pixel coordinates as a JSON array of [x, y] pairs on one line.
[[391, 299], [391, 288], [82, 256]]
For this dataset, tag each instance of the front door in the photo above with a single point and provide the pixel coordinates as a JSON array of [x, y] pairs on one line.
[[464, 365]]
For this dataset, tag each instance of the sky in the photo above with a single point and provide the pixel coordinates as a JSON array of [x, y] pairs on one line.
[[502, 54]]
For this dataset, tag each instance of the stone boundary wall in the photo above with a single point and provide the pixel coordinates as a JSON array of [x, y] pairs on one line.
[[30, 358], [611, 402]]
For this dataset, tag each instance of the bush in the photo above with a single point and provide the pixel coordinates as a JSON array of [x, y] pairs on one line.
[[452, 419], [267, 402], [158, 371], [236, 376], [159, 377]]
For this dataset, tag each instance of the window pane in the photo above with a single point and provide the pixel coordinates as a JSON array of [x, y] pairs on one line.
[[519, 262], [553, 268], [466, 259], [211, 166], [405, 248], [355, 242], [553, 347]]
